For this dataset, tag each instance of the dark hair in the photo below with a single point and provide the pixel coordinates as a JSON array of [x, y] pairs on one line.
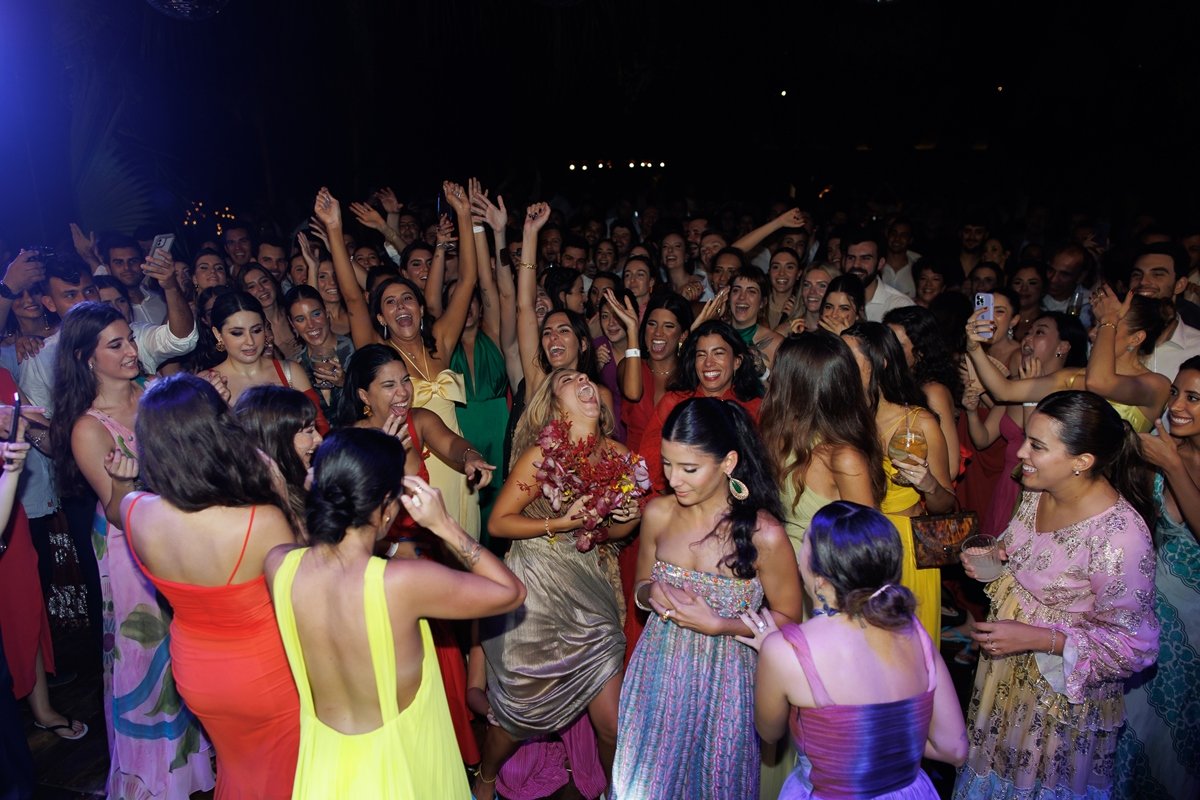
[[205, 251], [891, 378], [622, 294], [379, 274], [354, 473], [1070, 330], [654, 271], [574, 240], [557, 281], [1179, 257], [852, 287], [193, 452], [68, 268], [932, 360], [951, 272], [232, 303], [1034, 264], [586, 361], [861, 236], [254, 265], [1192, 363], [269, 241], [109, 282], [736, 252], [361, 370], [816, 398], [300, 292], [416, 244], [272, 416], [716, 427], [857, 549], [678, 306], [746, 385], [991, 265], [1151, 316], [759, 279], [114, 240], [75, 384], [603, 274], [1087, 423], [239, 224], [950, 311], [376, 309]]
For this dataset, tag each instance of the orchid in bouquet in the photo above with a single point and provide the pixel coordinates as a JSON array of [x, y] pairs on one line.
[[567, 471]]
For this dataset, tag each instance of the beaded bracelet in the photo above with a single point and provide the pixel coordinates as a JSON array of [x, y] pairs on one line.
[[1053, 641]]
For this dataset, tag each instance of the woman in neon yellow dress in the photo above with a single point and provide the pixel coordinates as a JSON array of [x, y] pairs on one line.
[[373, 715], [916, 485]]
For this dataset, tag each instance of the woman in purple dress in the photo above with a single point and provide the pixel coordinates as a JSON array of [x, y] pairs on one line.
[[860, 686]]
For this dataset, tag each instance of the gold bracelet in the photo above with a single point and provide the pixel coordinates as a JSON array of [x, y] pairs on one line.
[[527, 265], [546, 522], [1104, 325]]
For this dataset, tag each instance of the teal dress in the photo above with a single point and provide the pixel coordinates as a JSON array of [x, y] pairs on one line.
[[485, 416], [1158, 751]]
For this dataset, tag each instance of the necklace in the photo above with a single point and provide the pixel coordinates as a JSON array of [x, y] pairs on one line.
[[424, 373], [661, 372]]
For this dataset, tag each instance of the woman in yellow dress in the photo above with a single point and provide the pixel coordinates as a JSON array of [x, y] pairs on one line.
[[373, 715], [396, 317], [918, 484]]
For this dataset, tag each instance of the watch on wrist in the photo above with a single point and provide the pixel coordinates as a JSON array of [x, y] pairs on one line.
[[7, 293]]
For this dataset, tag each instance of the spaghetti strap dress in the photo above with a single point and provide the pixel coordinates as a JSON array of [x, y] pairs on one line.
[[412, 755], [231, 670], [864, 751], [155, 744], [925, 584], [1007, 491]]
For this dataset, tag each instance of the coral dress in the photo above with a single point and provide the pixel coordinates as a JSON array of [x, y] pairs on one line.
[[686, 724], [155, 745], [412, 755], [864, 751], [230, 668]]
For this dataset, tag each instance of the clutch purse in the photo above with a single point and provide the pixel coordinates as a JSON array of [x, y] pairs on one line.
[[938, 537]]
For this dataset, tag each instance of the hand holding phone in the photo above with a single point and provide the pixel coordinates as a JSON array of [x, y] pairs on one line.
[[986, 301], [163, 243]]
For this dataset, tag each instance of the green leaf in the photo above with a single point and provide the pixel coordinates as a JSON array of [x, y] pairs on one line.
[[144, 626], [189, 743], [168, 698]]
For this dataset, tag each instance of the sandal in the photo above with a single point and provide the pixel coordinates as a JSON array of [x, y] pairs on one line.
[[70, 734]]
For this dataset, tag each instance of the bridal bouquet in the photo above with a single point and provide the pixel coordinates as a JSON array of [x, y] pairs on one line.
[[569, 470]]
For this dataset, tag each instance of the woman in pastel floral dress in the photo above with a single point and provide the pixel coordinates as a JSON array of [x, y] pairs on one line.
[[1072, 613]]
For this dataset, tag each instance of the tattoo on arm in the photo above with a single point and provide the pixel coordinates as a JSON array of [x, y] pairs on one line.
[[468, 551]]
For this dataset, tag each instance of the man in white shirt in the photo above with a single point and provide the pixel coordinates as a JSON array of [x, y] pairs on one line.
[[1160, 271], [898, 264], [123, 255], [862, 259]]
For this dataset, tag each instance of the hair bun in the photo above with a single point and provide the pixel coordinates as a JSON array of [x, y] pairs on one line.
[[330, 510]]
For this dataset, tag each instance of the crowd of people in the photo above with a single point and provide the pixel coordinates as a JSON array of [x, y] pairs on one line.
[[640, 497]]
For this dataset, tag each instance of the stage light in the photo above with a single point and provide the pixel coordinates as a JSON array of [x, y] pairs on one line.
[[783, 93], [571, 167]]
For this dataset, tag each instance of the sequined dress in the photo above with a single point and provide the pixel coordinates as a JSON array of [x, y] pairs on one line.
[[686, 724], [1043, 726]]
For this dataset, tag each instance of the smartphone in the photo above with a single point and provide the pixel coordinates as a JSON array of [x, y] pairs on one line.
[[163, 242], [986, 301]]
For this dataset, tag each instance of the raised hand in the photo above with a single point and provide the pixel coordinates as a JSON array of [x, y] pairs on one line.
[[387, 199], [456, 196], [1107, 309], [425, 505], [219, 382], [536, 216], [308, 250], [979, 330], [798, 325], [1161, 450], [85, 246], [445, 230], [495, 214], [14, 453], [623, 311], [327, 211], [25, 271], [368, 216], [792, 218], [713, 309], [478, 471], [161, 268]]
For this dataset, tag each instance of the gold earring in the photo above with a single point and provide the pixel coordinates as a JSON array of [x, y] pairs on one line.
[[366, 411], [739, 490], [220, 346]]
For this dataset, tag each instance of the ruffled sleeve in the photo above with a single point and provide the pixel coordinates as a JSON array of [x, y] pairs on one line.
[[1119, 635]]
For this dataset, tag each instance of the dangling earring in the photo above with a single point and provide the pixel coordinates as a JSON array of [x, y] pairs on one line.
[[220, 346], [825, 609], [366, 411], [738, 489], [92, 366], [1012, 332]]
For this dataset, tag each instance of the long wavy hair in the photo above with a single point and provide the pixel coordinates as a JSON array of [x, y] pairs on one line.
[[680, 308], [746, 385], [716, 427], [932, 360], [542, 409], [361, 370], [272, 416], [891, 378], [816, 398], [75, 385], [586, 361]]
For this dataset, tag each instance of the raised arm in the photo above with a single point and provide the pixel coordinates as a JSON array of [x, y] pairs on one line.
[[451, 448], [793, 218], [329, 213], [506, 288], [1003, 390], [1149, 389], [528, 336], [449, 327], [1163, 452], [180, 320], [431, 590], [369, 217], [490, 310], [629, 368], [437, 268]]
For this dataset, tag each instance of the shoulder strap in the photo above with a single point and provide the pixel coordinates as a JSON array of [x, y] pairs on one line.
[[129, 533], [245, 542], [284, 377], [379, 638], [795, 637], [927, 650], [285, 615]]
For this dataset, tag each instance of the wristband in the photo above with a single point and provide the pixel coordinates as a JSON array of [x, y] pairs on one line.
[[477, 229], [633, 352]]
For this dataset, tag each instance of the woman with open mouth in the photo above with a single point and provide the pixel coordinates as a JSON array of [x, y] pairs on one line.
[[397, 318], [748, 293], [262, 285]]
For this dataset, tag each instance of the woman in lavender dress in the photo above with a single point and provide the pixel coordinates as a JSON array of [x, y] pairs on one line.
[[711, 552], [860, 685], [1072, 612]]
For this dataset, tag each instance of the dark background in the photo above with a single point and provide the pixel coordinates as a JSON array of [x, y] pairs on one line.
[[113, 111]]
